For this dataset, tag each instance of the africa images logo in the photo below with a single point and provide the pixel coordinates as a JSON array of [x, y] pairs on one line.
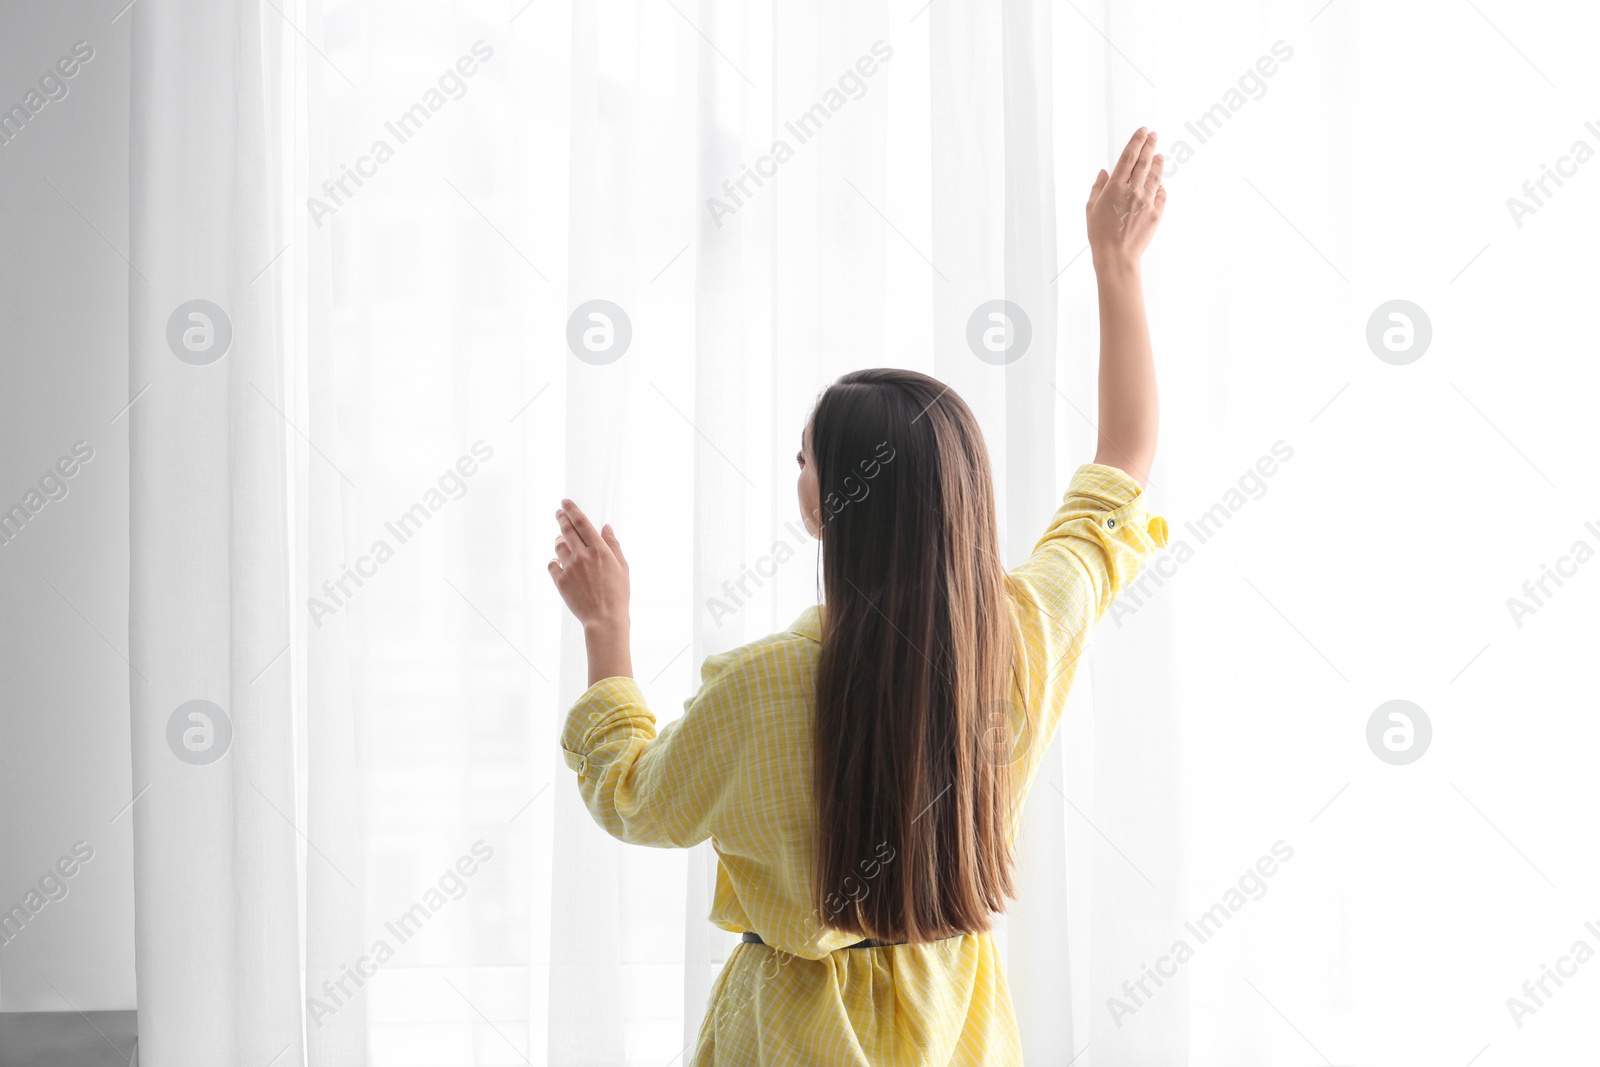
[[199, 332], [199, 732]]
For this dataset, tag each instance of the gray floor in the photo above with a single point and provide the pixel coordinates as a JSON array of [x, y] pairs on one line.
[[68, 1039]]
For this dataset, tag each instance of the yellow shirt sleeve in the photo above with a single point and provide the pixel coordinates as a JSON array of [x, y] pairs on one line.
[[1095, 546], [656, 789]]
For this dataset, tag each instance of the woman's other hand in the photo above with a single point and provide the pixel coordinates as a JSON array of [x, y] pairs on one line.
[[589, 570]]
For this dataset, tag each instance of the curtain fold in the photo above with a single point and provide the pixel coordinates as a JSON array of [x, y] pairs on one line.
[[247, 845], [215, 845], [327, 758], [587, 945]]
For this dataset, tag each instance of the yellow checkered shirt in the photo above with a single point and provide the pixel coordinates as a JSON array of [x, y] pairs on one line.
[[736, 769]]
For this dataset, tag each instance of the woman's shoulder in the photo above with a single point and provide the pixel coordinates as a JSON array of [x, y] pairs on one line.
[[808, 625], [782, 653]]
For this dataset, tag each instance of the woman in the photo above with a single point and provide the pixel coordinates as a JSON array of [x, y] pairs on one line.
[[861, 777]]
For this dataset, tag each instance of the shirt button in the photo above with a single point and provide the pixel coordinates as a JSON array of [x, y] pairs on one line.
[[1111, 524]]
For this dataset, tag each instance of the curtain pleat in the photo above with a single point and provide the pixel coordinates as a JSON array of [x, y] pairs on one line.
[[586, 943], [251, 849], [334, 914], [216, 924]]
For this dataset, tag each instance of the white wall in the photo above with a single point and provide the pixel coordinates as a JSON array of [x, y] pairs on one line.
[[64, 752]]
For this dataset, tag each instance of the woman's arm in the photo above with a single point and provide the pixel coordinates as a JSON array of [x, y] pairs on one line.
[[592, 577], [1124, 209], [642, 786]]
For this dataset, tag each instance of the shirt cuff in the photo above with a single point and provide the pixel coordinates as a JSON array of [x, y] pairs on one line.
[[1114, 492], [595, 719]]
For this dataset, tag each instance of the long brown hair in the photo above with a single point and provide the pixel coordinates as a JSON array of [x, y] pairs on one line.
[[913, 806]]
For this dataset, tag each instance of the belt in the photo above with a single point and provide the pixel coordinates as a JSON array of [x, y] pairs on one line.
[[754, 938]]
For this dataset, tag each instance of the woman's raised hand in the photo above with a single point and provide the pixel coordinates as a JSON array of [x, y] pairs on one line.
[[1125, 205]]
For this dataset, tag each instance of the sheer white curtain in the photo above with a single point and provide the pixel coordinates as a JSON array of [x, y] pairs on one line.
[[770, 198], [248, 865], [480, 256]]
